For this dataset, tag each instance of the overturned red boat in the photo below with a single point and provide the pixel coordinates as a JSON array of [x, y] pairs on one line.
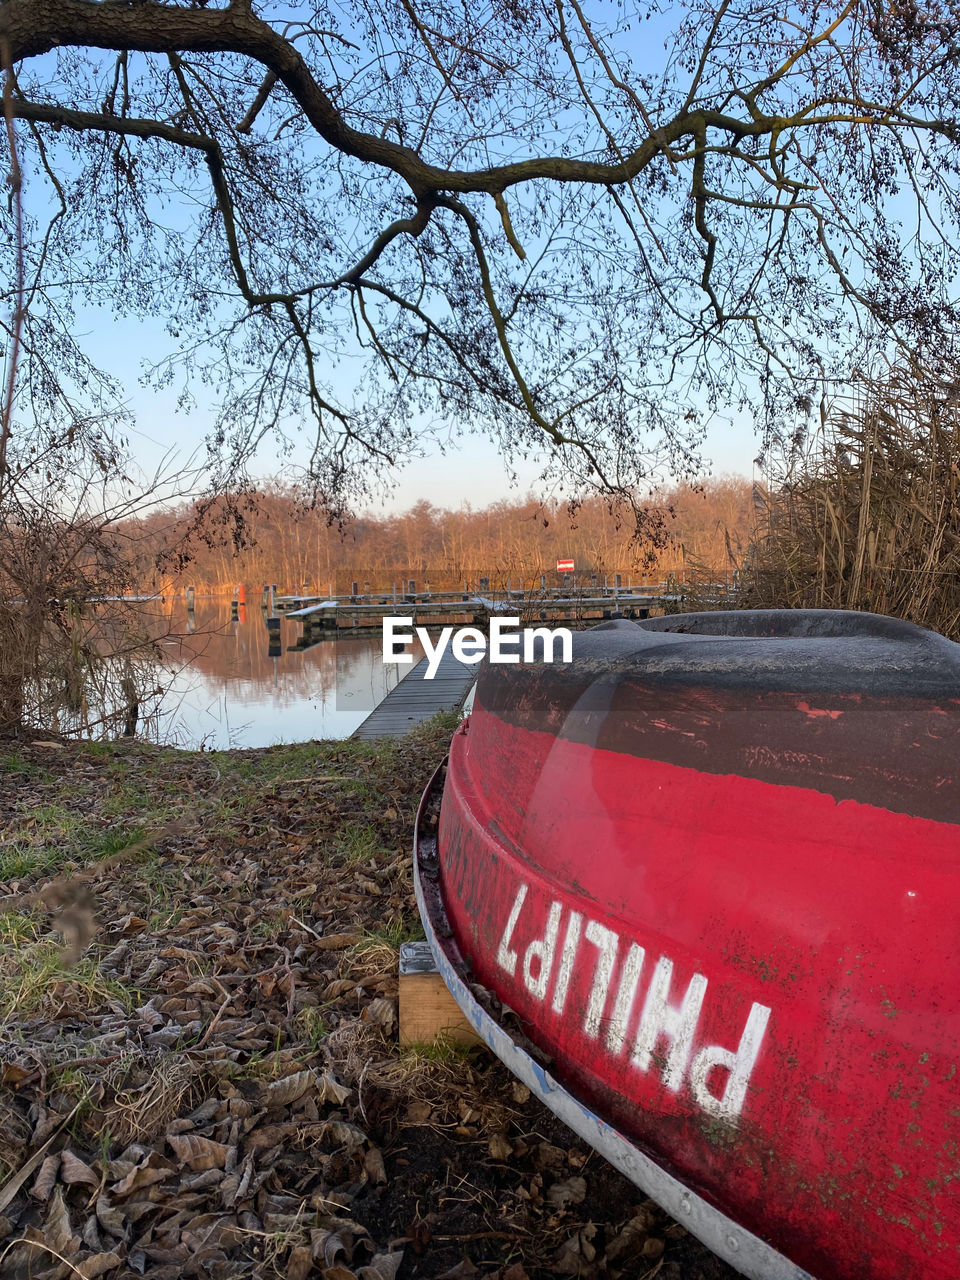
[[713, 865]]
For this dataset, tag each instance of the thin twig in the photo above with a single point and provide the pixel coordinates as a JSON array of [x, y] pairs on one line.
[[216, 1021]]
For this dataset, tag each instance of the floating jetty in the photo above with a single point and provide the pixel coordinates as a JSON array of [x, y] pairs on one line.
[[416, 698], [323, 619]]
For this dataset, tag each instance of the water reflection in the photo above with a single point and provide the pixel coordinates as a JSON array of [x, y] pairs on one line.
[[225, 685]]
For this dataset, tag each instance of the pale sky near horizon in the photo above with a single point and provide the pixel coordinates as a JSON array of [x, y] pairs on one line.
[[470, 471]]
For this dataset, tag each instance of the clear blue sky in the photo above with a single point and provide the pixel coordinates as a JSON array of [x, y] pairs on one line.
[[471, 469]]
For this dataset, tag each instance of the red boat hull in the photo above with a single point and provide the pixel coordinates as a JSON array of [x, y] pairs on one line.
[[728, 912]]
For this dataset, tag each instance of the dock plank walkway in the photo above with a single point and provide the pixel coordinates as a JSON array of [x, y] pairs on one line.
[[416, 699]]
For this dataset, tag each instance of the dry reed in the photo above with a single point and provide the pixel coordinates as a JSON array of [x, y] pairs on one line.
[[870, 518]]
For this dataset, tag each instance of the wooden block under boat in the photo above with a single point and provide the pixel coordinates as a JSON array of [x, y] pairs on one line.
[[427, 1009]]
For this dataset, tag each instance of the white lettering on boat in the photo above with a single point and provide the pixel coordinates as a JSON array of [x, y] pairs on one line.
[[664, 1016], [739, 1064], [566, 961], [629, 977], [506, 958], [608, 943], [542, 951], [678, 1025]]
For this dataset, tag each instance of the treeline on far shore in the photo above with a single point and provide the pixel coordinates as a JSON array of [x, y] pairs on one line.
[[283, 541], [863, 514]]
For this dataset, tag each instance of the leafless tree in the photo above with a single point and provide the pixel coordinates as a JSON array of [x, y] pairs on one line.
[[71, 650], [564, 223], [75, 653]]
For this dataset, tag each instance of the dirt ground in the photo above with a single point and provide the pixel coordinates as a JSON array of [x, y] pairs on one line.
[[199, 1073]]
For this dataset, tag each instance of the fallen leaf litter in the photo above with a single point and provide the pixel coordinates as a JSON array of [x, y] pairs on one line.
[[199, 1073]]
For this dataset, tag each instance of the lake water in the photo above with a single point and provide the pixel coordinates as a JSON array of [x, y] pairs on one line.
[[221, 687]]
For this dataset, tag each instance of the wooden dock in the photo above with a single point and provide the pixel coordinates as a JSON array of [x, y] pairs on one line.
[[416, 699], [330, 617]]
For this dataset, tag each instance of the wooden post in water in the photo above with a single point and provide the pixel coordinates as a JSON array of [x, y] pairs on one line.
[[132, 712]]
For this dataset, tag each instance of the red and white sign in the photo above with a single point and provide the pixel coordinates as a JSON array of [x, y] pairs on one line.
[[564, 566]]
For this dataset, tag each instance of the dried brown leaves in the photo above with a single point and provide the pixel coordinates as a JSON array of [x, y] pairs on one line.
[[215, 1089]]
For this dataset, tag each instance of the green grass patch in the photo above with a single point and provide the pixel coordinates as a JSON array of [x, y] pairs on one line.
[[442, 721], [51, 847], [269, 926], [104, 748], [394, 933], [33, 979], [276, 764], [14, 766], [127, 801], [52, 821], [21, 928], [357, 842], [311, 1025], [19, 862], [442, 1051]]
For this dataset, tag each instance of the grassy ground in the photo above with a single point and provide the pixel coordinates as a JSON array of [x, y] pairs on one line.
[[199, 1073]]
